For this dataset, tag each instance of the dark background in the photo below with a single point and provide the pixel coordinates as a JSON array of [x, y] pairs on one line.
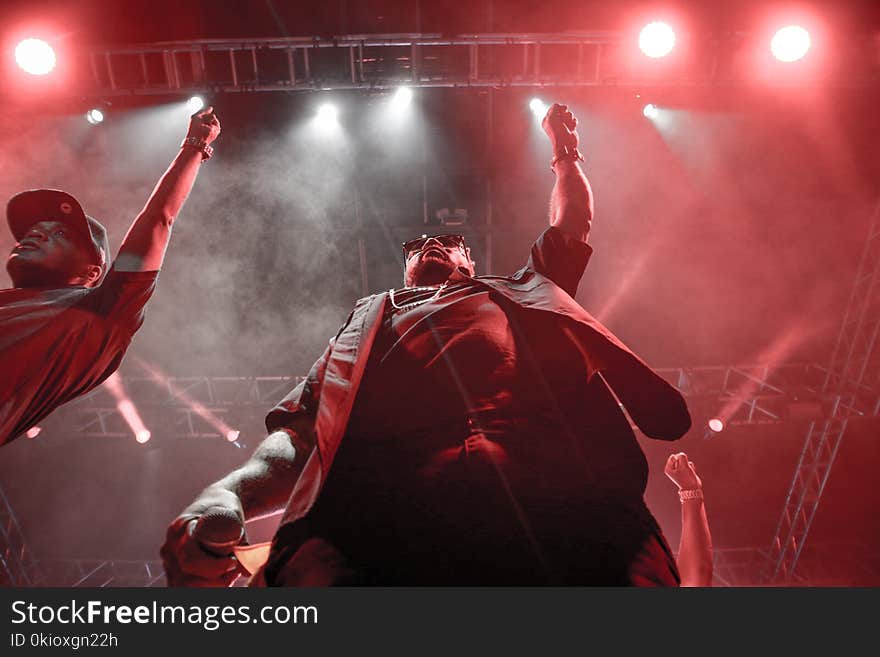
[[727, 233]]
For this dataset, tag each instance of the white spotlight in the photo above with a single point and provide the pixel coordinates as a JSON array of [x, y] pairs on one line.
[[790, 43], [650, 111], [539, 108], [327, 112], [33, 432], [326, 120], [716, 425], [143, 436], [195, 104], [656, 39], [95, 116], [401, 99], [35, 56], [232, 435]]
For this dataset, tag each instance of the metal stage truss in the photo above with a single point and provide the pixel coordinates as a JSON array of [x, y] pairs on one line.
[[824, 564], [175, 406], [382, 61], [850, 384], [17, 566], [179, 407]]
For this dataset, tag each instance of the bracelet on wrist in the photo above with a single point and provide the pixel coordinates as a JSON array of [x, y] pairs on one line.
[[192, 142], [566, 154], [690, 494]]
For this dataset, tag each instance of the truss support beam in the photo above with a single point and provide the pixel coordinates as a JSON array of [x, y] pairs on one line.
[[847, 383], [377, 62]]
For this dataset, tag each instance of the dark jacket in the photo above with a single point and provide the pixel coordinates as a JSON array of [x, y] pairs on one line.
[[318, 409]]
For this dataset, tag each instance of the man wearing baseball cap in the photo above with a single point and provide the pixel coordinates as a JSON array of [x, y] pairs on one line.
[[69, 318]]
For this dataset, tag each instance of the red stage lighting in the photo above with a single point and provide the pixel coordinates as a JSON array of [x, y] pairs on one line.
[[790, 43], [95, 116], [716, 425], [35, 56], [127, 409], [657, 39]]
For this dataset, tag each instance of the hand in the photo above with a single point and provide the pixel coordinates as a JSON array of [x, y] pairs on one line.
[[561, 126], [682, 472], [187, 563], [204, 125]]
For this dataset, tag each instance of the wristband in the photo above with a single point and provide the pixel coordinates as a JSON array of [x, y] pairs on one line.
[[690, 494], [206, 149], [573, 155]]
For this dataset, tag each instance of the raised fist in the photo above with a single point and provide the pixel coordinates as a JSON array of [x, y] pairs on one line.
[[682, 472], [204, 125], [561, 126]]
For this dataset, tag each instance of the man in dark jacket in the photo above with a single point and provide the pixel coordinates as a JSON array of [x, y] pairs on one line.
[[457, 431]]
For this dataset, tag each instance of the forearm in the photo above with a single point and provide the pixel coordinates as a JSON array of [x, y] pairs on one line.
[[571, 202], [695, 549], [143, 248], [259, 487]]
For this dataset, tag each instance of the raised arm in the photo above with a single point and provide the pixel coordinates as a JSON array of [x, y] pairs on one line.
[[143, 248], [259, 487], [571, 202], [695, 549]]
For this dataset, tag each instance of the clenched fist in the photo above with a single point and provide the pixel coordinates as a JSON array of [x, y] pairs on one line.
[[682, 472], [204, 126], [561, 127]]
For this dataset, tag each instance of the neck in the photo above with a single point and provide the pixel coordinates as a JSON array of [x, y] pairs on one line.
[[39, 279]]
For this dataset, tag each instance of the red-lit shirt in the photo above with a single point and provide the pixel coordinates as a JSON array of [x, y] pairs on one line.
[[59, 343]]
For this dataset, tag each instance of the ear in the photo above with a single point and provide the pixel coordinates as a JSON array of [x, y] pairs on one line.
[[92, 274]]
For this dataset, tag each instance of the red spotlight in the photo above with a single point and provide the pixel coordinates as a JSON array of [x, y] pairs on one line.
[[127, 409], [657, 39], [790, 43], [35, 56], [196, 407]]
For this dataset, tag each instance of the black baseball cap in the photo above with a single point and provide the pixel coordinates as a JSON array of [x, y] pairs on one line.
[[27, 208]]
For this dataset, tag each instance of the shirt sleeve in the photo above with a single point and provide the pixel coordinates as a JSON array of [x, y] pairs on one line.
[[122, 296], [560, 257]]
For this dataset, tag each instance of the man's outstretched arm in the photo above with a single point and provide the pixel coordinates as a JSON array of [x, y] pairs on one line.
[[143, 248], [261, 486], [571, 202]]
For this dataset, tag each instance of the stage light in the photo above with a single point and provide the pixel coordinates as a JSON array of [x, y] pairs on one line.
[[539, 108], [35, 56], [195, 104], [33, 432], [650, 111], [401, 99], [327, 113], [129, 412], [126, 408], [326, 120], [790, 43], [196, 407], [95, 116], [716, 425], [656, 39]]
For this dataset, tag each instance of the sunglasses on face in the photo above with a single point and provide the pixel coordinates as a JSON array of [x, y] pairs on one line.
[[446, 241]]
